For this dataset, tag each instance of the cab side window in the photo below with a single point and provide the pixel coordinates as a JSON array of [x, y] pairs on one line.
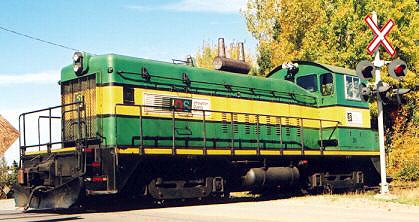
[[128, 94], [352, 87], [326, 84], [308, 82]]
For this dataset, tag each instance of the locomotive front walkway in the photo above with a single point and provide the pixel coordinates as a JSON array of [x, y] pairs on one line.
[[311, 208]]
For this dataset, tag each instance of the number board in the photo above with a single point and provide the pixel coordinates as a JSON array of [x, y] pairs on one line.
[[181, 105]]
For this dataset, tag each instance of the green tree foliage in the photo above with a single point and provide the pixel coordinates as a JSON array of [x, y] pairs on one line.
[[334, 32]]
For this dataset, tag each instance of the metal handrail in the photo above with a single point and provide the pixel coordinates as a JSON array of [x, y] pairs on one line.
[[22, 122], [169, 108], [271, 92], [39, 126], [173, 111]]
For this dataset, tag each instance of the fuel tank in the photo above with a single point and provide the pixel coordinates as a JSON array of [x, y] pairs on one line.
[[271, 177]]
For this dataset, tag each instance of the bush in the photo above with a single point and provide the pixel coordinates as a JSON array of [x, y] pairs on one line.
[[8, 177], [408, 173], [403, 148]]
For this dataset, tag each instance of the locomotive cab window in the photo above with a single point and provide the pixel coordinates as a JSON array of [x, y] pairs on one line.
[[308, 82], [128, 95], [326, 84], [352, 84]]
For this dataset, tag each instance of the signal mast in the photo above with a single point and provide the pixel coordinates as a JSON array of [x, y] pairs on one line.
[[367, 70]]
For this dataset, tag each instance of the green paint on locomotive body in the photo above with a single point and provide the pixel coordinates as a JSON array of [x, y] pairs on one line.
[[126, 71]]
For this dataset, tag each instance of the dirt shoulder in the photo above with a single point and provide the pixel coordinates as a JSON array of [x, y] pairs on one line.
[[7, 204]]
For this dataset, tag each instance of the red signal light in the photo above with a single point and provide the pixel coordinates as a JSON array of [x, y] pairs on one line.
[[399, 70]]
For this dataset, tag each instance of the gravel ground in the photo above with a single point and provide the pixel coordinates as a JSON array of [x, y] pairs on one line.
[[310, 208], [7, 205]]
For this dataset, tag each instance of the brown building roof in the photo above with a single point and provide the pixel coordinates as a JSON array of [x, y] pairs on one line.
[[8, 135]]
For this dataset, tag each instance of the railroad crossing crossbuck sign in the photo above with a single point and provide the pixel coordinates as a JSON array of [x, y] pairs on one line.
[[380, 36]]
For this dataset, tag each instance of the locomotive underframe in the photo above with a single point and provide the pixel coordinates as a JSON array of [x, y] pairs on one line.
[[169, 177]]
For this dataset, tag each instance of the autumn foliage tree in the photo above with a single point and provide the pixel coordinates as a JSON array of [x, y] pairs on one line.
[[331, 32], [334, 32]]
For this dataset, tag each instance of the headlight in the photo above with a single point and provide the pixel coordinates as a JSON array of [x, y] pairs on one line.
[[78, 63], [77, 57]]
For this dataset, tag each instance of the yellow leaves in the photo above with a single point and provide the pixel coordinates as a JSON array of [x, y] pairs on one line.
[[281, 27], [206, 55], [404, 148], [331, 32]]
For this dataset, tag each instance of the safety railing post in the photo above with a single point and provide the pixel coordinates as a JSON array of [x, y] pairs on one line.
[[24, 130], [50, 131], [281, 142], [173, 132], [116, 125], [321, 138], [39, 134], [232, 133], [141, 131], [302, 135], [204, 132], [257, 134]]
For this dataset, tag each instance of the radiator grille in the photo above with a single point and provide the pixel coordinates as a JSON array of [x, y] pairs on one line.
[[71, 91]]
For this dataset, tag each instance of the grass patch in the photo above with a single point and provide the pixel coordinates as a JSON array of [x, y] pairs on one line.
[[401, 192]]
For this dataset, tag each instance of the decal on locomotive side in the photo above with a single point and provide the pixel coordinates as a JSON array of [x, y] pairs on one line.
[[354, 118], [181, 105], [161, 103]]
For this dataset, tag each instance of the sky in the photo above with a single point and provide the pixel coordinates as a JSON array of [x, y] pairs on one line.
[[160, 30]]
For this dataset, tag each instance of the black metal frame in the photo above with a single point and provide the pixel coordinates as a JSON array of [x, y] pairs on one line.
[[22, 122]]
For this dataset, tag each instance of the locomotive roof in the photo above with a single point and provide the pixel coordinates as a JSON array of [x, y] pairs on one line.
[[314, 65], [116, 69]]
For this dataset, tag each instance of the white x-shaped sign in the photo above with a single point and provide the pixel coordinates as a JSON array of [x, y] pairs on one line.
[[380, 36]]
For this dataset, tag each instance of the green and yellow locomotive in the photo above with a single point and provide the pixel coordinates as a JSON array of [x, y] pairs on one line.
[[174, 131]]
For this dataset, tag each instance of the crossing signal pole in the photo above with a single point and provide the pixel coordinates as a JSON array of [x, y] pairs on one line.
[[367, 70], [378, 63]]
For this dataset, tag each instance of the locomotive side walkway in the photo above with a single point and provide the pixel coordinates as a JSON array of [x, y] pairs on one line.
[[311, 208]]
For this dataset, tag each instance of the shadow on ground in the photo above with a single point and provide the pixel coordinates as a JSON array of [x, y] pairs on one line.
[[115, 204]]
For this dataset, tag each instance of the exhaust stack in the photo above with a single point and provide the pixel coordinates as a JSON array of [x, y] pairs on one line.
[[228, 64], [240, 49], [221, 48]]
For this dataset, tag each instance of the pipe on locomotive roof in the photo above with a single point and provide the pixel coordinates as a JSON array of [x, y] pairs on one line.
[[228, 64], [231, 65], [240, 49], [221, 48]]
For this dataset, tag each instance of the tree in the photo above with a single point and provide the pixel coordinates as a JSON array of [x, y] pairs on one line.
[[8, 176], [334, 32], [206, 55], [328, 31]]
